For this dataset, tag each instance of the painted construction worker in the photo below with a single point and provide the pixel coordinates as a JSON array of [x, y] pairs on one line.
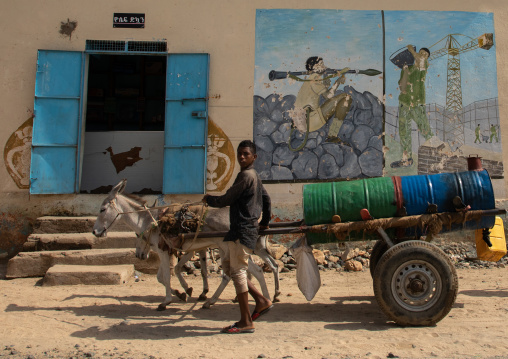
[[308, 114], [412, 104], [477, 132], [493, 133]]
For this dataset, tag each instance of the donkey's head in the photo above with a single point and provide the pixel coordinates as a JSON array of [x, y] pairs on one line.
[[109, 211]]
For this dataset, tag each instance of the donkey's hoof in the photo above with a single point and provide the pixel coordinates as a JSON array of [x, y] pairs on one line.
[[161, 307], [181, 296], [189, 291], [206, 306], [202, 297]]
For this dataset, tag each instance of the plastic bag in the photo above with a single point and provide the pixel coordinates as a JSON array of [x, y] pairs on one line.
[[307, 271]]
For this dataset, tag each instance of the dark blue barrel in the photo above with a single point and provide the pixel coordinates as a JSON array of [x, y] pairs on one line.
[[473, 187]]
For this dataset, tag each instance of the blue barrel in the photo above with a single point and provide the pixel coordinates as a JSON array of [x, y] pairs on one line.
[[473, 187]]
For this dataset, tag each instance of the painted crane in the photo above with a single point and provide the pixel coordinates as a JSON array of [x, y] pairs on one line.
[[451, 46]]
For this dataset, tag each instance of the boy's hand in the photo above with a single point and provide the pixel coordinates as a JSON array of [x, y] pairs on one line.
[[204, 198], [262, 228]]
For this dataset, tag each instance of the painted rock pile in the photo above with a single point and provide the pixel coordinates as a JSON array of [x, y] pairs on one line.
[[358, 153]]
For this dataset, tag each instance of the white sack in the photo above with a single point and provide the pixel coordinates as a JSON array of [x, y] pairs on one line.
[[307, 271]]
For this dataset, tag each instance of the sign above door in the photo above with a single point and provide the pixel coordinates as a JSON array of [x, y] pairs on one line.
[[129, 20]]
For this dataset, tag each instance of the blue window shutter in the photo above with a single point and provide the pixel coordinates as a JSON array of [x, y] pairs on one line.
[[186, 126], [56, 131]]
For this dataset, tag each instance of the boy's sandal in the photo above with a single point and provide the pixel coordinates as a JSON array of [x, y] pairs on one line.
[[255, 315], [233, 329]]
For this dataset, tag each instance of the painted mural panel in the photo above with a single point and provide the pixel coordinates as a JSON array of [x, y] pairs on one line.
[[352, 94], [317, 95], [441, 92]]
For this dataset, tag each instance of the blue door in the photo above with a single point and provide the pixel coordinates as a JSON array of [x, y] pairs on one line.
[[186, 126], [57, 115]]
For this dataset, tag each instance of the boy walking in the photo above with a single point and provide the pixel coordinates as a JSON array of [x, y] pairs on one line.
[[247, 199]]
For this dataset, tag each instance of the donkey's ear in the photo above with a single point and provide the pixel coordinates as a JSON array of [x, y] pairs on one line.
[[119, 187]]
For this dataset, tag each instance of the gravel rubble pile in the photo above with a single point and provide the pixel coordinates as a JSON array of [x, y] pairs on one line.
[[462, 254]]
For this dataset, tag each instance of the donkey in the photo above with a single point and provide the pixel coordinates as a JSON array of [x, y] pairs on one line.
[[140, 219]]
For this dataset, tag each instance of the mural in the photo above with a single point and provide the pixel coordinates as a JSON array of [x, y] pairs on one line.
[[441, 92], [17, 154], [318, 88], [351, 94]]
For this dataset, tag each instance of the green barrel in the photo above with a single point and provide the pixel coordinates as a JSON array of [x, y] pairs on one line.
[[323, 200]]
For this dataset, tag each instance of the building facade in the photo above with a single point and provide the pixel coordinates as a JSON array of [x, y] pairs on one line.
[[161, 93]]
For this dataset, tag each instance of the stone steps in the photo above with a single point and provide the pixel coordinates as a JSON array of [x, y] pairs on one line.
[[36, 264], [88, 275], [73, 241], [69, 241], [56, 224]]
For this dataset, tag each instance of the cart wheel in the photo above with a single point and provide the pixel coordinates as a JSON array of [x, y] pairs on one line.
[[415, 283], [380, 247]]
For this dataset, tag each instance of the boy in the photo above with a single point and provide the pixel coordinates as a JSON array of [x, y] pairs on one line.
[[247, 199]]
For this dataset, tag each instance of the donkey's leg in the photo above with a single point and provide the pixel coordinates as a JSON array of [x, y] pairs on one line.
[[204, 274], [218, 292], [223, 284], [178, 272], [164, 276], [257, 272], [262, 252]]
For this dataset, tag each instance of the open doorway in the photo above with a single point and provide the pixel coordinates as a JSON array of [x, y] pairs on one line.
[[124, 123]]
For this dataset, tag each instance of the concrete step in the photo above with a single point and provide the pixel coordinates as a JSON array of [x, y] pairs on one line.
[[36, 264], [73, 241], [88, 275], [56, 224]]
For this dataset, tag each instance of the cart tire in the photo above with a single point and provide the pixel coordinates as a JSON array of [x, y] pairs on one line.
[[380, 247], [415, 283]]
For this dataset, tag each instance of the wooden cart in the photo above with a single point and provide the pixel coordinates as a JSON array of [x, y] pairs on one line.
[[415, 282]]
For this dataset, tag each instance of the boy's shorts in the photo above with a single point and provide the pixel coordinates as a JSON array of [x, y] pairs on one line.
[[235, 264]]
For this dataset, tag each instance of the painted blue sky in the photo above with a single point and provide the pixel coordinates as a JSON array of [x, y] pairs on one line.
[[426, 28], [285, 38]]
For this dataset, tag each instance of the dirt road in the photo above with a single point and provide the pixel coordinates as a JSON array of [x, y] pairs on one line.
[[342, 321]]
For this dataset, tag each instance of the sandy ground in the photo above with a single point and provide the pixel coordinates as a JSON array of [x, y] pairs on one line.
[[342, 321]]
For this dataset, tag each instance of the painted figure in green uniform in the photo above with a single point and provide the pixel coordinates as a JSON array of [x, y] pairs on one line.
[[477, 133], [412, 104], [493, 133]]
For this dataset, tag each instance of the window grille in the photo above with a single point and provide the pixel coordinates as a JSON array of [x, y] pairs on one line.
[[126, 46], [104, 45], [147, 46]]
